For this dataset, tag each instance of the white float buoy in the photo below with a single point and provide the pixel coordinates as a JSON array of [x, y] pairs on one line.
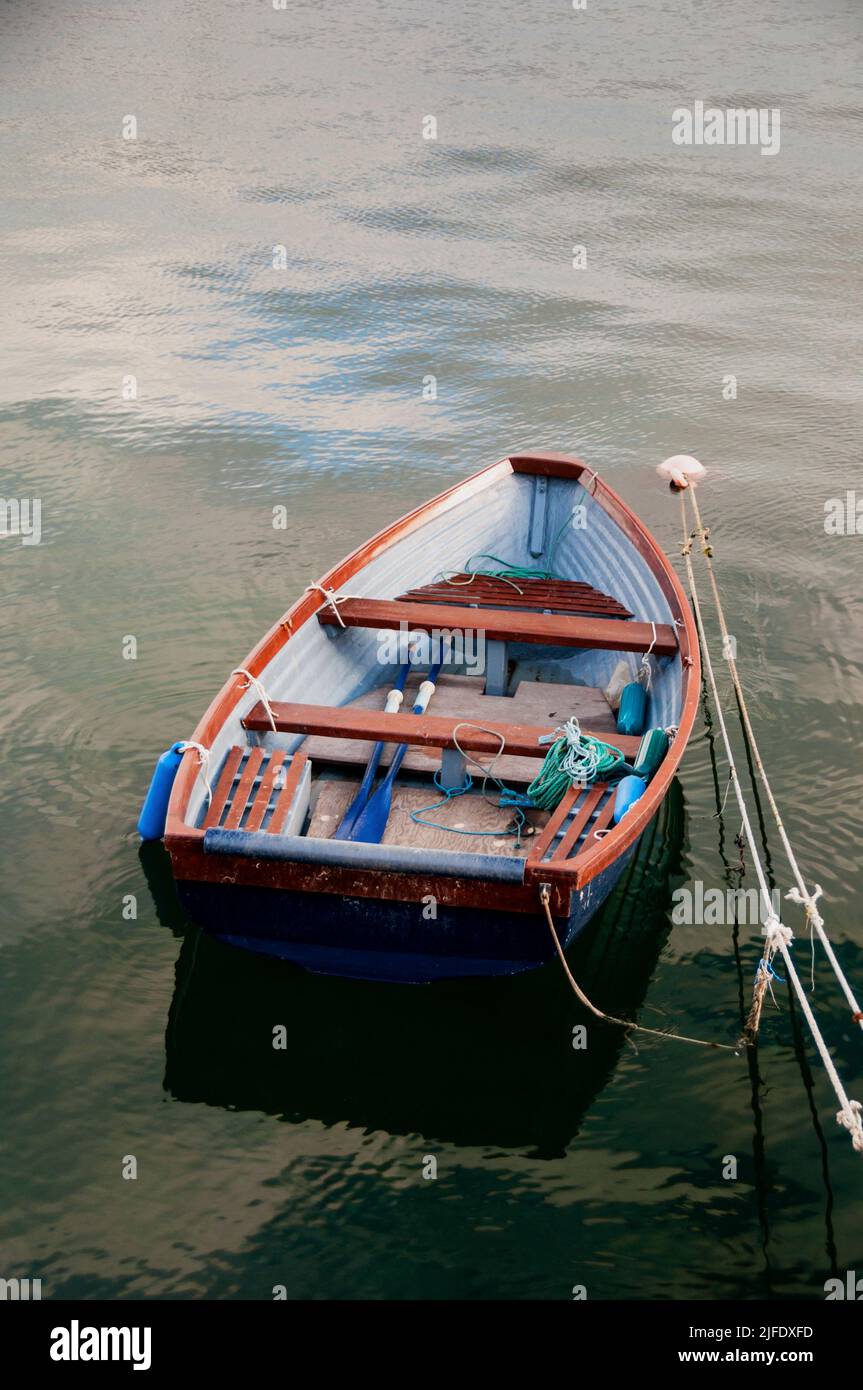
[[680, 470]]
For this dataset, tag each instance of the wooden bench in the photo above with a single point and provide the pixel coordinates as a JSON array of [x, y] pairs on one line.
[[417, 730], [539, 595], [501, 625], [258, 788], [588, 812]]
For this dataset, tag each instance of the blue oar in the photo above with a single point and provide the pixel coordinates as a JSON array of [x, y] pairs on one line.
[[371, 823], [394, 699]]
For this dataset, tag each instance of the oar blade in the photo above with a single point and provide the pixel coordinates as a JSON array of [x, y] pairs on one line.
[[344, 829], [371, 822]]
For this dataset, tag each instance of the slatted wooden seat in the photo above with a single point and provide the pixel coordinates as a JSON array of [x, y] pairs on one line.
[[540, 595], [501, 625], [255, 790], [581, 813], [418, 730]]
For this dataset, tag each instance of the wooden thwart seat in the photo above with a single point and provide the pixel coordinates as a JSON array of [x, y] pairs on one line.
[[247, 792], [555, 595], [417, 730], [580, 804], [501, 625]]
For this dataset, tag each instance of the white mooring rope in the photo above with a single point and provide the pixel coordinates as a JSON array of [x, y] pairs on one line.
[[778, 936], [800, 894]]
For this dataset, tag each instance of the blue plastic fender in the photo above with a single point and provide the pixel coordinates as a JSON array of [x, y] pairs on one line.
[[154, 812], [629, 790], [632, 714]]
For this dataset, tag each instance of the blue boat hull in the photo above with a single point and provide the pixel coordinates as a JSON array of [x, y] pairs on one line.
[[369, 939]]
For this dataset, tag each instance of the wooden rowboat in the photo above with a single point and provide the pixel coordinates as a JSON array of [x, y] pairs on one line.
[[251, 830]]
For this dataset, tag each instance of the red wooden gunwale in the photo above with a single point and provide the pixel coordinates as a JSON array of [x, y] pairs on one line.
[[186, 843]]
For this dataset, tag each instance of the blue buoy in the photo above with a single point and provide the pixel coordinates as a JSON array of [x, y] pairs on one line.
[[629, 790], [154, 812], [632, 714]]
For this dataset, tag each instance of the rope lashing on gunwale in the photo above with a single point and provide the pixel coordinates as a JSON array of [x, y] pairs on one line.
[[203, 761], [800, 893], [778, 937], [252, 682], [645, 660], [331, 597]]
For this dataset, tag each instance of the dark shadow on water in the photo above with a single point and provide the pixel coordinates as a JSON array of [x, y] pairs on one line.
[[480, 1062], [155, 863]]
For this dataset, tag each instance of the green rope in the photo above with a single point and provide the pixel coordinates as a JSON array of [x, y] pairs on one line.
[[572, 757], [509, 572]]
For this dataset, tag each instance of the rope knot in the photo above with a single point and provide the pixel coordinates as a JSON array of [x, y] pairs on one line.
[[807, 901], [777, 934], [849, 1118], [330, 597], [644, 673], [253, 682], [766, 972]]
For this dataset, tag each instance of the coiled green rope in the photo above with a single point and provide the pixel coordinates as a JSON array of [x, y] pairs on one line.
[[572, 757]]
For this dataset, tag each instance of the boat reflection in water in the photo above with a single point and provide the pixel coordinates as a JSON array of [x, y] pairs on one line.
[[480, 1062]]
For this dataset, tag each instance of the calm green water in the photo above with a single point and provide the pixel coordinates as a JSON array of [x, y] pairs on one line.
[[152, 258]]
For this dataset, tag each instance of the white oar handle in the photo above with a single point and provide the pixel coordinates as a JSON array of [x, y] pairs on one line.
[[394, 700], [426, 690]]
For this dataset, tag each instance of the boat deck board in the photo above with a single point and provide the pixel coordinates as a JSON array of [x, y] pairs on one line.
[[534, 703], [543, 595], [252, 786], [582, 815], [471, 812]]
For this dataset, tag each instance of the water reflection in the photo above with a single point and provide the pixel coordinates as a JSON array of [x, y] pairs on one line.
[[486, 1063]]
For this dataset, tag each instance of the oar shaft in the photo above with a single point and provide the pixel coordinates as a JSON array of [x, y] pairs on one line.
[[393, 702], [371, 821], [421, 704]]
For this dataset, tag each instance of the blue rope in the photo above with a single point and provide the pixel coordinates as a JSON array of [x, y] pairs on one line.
[[452, 793]]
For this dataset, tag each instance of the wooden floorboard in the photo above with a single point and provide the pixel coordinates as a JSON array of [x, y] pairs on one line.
[[470, 812]]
